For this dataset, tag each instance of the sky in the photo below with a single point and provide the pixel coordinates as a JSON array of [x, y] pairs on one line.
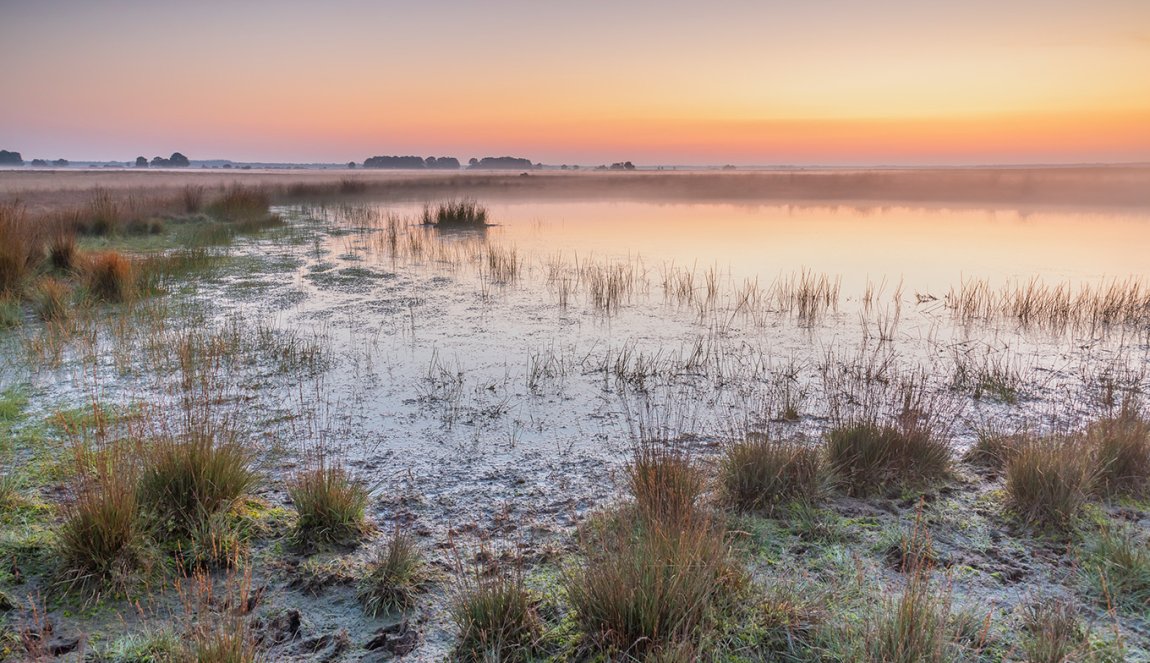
[[746, 82]]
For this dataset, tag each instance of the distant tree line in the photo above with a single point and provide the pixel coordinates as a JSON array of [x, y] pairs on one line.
[[11, 158], [411, 162], [177, 160], [44, 163], [501, 163]]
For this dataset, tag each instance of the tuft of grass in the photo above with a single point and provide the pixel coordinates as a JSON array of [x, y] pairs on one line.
[[760, 473], [495, 617], [193, 198], [18, 248], [104, 214], [101, 538], [912, 628], [110, 276], [1122, 448], [866, 456], [649, 584], [1048, 481], [1117, 569], [188, 480], [330, 503], [62, 252], [1053, 633], [241, 204], [395, 577], [52, 299], [992, 451], [464, 212], [665, 481]]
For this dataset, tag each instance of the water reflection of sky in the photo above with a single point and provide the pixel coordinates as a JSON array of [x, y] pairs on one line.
[[930, 249]]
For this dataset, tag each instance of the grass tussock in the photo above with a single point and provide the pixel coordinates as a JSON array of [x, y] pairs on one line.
[[187, 481], [330, 503], [913, 627], [192, 197], [464, 212], [218, 629], [759, 473], [109, 276], [51, 299], [1122, 448], [240, 203], [644, 586], [63, 255], [993, 450], [1048, 481], [395, 578], [495, 617], [1117, 569], [665, 481], [865, 456], [1052, 632], [18, 248], [101, 538]]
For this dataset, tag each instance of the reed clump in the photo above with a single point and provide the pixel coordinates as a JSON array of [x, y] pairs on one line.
[[665, 481], [461, 213], [101, 538], [1121, 446], [109, 276], [913, 627], [645, 585], [1049, 480], [187, 481], [18, 248], [330, 503], [62, 252], [395, 578], [866, 456], [51, 299], [760, 473], [1052, 632], [495, 616]]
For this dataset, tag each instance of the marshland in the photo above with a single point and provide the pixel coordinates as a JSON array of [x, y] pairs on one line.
[[888, 415]]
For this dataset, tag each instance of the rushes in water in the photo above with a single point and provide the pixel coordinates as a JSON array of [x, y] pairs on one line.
[[1049, 480], [464, 212], [52, 299], [395, 577], [495, 617], [330, 503], [760, 473]]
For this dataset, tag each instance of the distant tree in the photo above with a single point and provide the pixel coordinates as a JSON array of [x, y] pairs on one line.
[[61, 163], [473, 162], [141, 162], [351, 164], [502, 163], [178, 160], [11, 158], [39, 163], [394, 162], [443, 163], [160, 162], [623, 165]]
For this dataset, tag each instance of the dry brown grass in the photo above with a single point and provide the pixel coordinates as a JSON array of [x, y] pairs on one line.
[[109, 276], [1121, 446], [1049, 480]]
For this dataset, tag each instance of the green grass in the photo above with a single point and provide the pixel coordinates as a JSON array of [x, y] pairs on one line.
[[1117, 569]]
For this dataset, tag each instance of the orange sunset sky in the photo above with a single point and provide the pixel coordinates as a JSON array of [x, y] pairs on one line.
[[672, 82]]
